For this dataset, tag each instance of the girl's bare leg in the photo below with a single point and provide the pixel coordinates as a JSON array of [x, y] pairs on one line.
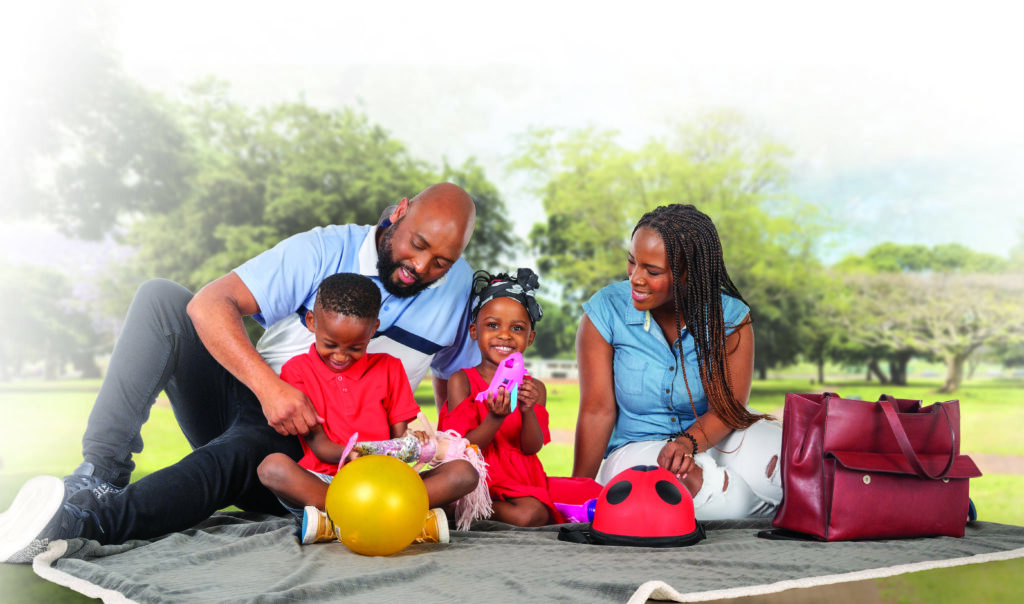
[[521, 511]]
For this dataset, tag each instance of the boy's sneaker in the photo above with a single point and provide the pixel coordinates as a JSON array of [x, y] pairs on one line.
[[317, 526], [435, 529], [39, 514], [83, 478]]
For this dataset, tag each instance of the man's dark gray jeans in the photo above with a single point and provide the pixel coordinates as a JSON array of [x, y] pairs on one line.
[[159, 350]]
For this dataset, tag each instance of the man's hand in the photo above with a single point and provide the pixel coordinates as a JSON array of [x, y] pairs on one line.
[[288, 410]]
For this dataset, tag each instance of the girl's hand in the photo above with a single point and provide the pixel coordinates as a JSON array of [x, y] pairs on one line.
[[529, 395], [500, 405], [421, 436], [676, 457]]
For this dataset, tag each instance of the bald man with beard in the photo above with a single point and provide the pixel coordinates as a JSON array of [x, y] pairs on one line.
[[226, 393]]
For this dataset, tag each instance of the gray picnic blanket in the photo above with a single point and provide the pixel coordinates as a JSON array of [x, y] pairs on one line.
[[242, 557]]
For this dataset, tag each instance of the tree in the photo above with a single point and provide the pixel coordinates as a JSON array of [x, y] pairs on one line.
[[883, 317], [592, 196], [91, 145], [494, 238], [266, 174], [594, 191], [944, 316], [945, 258], [966, 312], [52, 325], [876, 317], [556, 332]]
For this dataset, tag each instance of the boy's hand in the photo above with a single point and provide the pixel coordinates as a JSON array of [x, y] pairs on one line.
[[500, 405], [421, 436]]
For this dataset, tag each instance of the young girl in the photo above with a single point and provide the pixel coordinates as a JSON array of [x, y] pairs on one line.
[[504, 316]]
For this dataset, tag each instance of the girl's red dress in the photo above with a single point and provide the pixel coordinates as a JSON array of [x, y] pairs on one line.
[[510, 472]]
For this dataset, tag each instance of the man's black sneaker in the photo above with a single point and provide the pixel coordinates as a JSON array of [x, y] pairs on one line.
[[83, 478]]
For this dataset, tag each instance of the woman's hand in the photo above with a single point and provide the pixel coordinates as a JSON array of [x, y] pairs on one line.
[[676, 457]]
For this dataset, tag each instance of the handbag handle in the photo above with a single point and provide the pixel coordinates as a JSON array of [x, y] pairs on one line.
[[908, 450]]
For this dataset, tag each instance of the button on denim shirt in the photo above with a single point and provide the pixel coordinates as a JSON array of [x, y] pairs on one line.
[[649, 391]]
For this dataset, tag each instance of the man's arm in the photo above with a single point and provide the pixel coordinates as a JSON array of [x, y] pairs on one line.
[[217, 311]]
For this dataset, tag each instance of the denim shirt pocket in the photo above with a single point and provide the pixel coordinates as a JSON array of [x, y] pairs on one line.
[[629, 374]]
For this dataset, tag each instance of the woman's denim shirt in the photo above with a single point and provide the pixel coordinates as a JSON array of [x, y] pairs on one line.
[[649, 392]]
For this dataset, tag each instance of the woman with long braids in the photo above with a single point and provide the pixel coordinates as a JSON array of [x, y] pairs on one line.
[[666, 362]]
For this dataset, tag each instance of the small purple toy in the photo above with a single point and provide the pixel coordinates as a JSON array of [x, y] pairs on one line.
[[509, 375], [583, 512]]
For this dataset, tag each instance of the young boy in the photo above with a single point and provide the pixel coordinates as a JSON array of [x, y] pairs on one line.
[[352, 391]]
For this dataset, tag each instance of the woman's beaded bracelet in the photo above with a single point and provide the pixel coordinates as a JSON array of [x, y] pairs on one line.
[[687, 435]]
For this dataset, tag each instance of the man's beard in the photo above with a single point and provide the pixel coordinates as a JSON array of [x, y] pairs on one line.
[[386, 267]]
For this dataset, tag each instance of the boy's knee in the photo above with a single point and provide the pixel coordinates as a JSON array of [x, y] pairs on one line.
[[464, 475], [271, 470]]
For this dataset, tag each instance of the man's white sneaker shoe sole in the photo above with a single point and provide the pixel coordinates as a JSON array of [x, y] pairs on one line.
[[34, 506]]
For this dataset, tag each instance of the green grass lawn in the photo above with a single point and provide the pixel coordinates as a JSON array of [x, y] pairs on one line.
[[42, 422]]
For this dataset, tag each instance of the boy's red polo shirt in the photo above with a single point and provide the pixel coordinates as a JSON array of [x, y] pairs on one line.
[[368, 397]]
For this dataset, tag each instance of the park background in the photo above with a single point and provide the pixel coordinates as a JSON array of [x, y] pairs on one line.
[[860, 163]]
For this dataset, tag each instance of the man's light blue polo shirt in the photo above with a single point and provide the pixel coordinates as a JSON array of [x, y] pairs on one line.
[[650, 393], [429, 329]]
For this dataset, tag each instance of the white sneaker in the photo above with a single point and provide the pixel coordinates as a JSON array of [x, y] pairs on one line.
[[32, 510], [316, 526], [435, 528]]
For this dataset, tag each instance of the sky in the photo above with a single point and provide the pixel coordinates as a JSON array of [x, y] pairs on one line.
[[903, 118]]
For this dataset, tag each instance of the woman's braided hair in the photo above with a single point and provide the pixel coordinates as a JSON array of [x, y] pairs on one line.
[[695, 251]]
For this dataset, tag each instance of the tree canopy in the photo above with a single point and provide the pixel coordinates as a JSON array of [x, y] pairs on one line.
[[944, 258], [946, 303], [92, 144], [265, 174], [199, 184], [594, 191]]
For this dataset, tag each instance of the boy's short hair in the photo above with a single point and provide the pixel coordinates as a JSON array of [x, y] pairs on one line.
[[350, 295]]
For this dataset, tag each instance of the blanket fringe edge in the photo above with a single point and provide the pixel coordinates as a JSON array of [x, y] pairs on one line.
[[42, 566], [659, 590]]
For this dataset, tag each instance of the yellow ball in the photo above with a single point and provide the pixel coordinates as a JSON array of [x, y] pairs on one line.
[[378, 503]]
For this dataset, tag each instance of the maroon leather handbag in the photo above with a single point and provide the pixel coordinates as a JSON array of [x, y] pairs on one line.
[[855, 469]]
